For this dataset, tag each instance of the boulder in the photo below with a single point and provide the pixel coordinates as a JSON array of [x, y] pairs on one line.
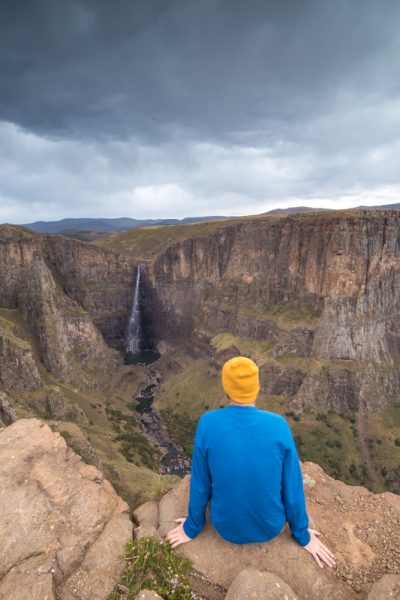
[[148, 595], [360, 527], [7, 413], [56, 404], [252, 584], [62, 525]]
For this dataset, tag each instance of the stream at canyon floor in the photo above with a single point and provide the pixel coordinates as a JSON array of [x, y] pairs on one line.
[[174, 460]]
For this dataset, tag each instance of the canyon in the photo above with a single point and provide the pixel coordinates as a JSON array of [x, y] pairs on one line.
[[313, 298]]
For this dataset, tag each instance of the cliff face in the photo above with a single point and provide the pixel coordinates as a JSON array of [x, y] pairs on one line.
[[75, 297], [320, 287]]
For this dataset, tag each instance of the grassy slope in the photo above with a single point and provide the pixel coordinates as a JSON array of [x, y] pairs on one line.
[[143, 243], [116, 394], [329, 440]]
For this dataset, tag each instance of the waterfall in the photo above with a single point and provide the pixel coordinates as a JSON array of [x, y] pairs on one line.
[[133, 334]]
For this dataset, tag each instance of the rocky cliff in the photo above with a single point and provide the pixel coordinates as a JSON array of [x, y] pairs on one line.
[[74, 296], [63, 530], [64, 305], [361, 529], [62, 526], [319, 287]]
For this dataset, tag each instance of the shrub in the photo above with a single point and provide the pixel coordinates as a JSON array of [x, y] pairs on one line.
[[154, 565], [160, 485]]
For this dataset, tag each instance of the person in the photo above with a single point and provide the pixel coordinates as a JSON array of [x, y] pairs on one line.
[[246, 464]]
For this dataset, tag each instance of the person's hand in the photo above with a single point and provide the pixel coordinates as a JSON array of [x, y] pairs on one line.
[[177, 535], [320, 552]]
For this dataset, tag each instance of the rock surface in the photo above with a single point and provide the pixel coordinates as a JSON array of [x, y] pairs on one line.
[[360, 527], [252, 584], [62, 526], [387, 588], [7, 413], [147, 595]]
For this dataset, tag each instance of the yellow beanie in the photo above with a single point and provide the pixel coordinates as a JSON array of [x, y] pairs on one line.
[[240, 379]]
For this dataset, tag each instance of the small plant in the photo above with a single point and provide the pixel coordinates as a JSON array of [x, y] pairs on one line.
[[156, 566], [66, 435], [160, 485], [188, 448]]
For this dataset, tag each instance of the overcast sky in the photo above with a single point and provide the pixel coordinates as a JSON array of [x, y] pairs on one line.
[[174, 108]]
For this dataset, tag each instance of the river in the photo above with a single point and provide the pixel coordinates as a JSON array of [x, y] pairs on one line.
[[174, 459]]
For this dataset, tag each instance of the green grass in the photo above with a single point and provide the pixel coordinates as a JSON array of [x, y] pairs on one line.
[[144, 243], [191, 389], [286, 316], [132, 442], [384, 448], [161, 484], [154, 565], [328, 440], [249, 347]]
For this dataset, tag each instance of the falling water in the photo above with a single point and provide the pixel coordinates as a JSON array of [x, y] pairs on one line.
[[133, 334]]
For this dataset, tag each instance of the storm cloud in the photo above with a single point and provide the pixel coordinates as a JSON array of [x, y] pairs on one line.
[[169, 108]]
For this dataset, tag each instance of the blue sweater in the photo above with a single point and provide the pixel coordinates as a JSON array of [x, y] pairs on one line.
[[246, 463]]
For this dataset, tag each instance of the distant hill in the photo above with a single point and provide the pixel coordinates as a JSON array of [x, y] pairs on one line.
[[70, 226], [293, 210], [384, 206]]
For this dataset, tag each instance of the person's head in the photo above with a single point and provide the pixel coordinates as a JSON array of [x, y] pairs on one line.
[[240, 380]]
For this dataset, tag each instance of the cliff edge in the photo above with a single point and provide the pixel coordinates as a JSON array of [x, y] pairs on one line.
[[360, 527]]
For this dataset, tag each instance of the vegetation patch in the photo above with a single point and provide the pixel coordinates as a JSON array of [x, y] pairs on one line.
[[144, 243], [181, 428], [161, 484], [156, 566], [249, 347], [134, 445]]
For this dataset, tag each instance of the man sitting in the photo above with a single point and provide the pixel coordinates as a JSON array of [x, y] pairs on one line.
[[245, 461]]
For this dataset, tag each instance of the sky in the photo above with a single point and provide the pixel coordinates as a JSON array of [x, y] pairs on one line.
[[176, 108]]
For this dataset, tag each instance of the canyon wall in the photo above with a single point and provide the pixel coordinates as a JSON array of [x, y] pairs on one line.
[[323, 287], [73, 296]]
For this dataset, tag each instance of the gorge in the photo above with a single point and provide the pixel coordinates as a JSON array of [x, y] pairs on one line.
[[313, 298]]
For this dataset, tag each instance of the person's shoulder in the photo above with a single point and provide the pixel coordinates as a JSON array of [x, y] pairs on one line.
[[275, 418], [211, 415], [208, 420]]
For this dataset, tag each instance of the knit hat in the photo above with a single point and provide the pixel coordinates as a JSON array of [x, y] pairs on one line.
[[240, 379]]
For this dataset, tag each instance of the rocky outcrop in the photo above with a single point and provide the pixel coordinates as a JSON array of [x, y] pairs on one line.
[[7, 413], [74, 296], [321, 287], [62, 526], [251, 583], [18, 369], [360, 527]]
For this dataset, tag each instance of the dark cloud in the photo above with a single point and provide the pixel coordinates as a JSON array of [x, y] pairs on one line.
[[210, 106], [148, 68]]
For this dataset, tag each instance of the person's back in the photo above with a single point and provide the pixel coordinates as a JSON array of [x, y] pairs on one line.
[[246, 463], [252, 461]]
